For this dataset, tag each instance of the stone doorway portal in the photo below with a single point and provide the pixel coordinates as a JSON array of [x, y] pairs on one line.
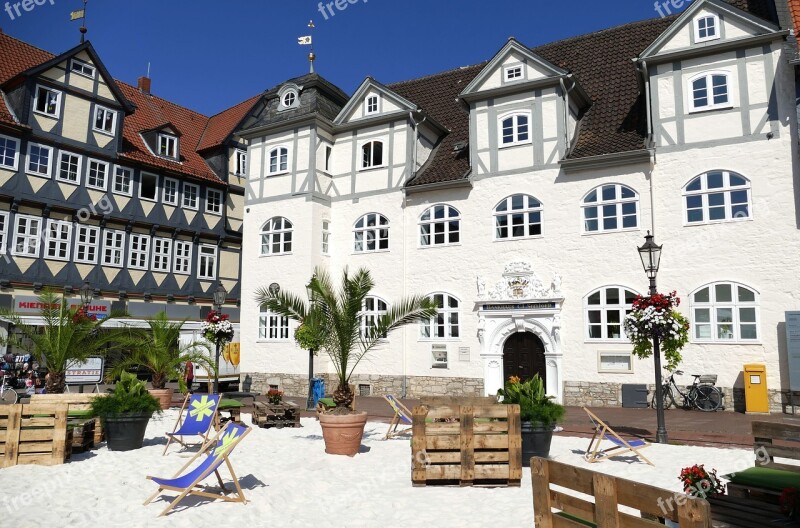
[[523, 356]]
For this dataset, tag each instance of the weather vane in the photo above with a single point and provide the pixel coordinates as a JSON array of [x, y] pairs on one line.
[[80, 14], [307, 40]]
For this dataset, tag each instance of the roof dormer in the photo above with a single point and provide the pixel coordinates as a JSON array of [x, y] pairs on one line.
[[289, 96], [373, 100], [163, 141]]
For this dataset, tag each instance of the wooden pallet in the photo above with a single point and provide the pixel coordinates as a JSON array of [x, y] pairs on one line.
[[474, 446], [279, 415], [34, 434], [83, 431], [738, 512], [76, 402]]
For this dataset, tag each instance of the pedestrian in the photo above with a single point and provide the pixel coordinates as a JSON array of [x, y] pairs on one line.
[[189, 375]]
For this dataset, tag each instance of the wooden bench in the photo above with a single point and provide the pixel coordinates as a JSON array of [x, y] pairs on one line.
[[609, 494], [438, 401], [34, 434], [78, 405]]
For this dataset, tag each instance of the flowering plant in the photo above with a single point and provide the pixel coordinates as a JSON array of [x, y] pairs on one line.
[[656, 315], [699, 482], [217, 328], [790, 503], [81, 315], [534, 403], [274, 396]]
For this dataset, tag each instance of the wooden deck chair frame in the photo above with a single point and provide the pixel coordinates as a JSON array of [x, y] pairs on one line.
[[399, 409], [190, 490], [206, 438], [601, 429]]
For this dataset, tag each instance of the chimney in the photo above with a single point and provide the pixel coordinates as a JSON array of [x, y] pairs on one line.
[[144, 84]]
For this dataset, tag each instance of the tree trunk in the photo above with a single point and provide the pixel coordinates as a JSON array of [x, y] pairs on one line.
[[343, 396], [55, 383], [159, 381]]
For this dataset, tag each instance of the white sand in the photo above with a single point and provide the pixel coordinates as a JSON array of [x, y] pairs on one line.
[[290, 481]]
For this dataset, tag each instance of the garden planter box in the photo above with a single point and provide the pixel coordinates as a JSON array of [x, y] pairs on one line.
[[475, 446], [285, 414]]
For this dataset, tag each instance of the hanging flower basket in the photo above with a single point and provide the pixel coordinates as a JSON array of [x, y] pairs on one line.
[[217, 329], [656, 315]]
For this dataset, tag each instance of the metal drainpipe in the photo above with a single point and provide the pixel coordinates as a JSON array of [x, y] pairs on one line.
[[650, 144]]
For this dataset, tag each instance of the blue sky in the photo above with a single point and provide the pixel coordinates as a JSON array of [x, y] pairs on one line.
[[209, 55]]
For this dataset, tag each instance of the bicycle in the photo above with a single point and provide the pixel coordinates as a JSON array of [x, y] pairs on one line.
[[701, 394], [7, 394]]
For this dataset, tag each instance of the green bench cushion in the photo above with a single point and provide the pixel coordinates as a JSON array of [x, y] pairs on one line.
[[229, 404], [576, 519], [767, 478], [86, 413], [327, 402]]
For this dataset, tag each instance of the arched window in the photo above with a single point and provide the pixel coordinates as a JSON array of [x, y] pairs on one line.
[[610, 207], [373, 309], [606, 309], [443, 325], [372, 154], [709, 90], [276, 236], [515, 129], [278, 160], [271, 326], [440, 225], [725, 312], [717, 196], [518, 216], [371, 233]]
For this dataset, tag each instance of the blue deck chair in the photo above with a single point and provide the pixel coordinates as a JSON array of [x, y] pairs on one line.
[[201, 414], [401, 415], [216, 452], [603, 432]]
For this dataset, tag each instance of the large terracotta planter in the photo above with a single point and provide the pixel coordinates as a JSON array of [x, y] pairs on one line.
[[342, 433], [164, 397]]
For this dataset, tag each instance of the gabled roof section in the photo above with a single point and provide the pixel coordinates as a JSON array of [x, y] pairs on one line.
[[512, 47], [15, 57], [367, 86], [222, 126], [730, 14], [169, 128]]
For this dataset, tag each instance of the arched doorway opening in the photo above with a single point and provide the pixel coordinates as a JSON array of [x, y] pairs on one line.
[[523, 356]]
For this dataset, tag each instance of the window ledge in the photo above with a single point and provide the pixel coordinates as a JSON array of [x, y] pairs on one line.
[[38, 175], [261, 255], [710, 109], [516, 144], [717, 222], [371, 252], [434, 246], [105, 133], [376, 167], [9, 167], [51, 116], [210, 212], [518, 239], [727, 342], [70, 182], [611, 232], [273, 340], [623, 341], [439, 340], [154, 200]]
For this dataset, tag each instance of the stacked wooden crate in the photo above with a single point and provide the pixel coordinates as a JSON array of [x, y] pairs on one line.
[[34, 434], [284, 414]]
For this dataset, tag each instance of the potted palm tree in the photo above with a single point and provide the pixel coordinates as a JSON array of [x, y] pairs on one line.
[[126, 412], [67, 336], [335, 315], [538, 414], [159, 350]]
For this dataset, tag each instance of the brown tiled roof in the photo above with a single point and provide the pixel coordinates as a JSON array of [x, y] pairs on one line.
[[794, 10], [221, 125], [16, 57]]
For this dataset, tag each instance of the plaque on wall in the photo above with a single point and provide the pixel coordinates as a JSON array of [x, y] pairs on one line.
[[793, 349]]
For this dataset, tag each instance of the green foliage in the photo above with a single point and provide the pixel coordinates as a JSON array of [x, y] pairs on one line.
[[670, 342], [129, 396], [333, 320], [535, 405], [159, 350]]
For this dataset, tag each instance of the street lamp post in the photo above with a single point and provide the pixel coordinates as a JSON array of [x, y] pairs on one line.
[[310, 399], [219, 299], [650, 254], [87, 294]]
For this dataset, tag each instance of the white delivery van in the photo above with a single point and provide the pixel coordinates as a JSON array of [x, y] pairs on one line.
[[228, 372]]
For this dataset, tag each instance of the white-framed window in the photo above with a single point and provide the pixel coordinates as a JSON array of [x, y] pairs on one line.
[[148, 186], [3, 233], [512, 73], [40, 159], [9, 152], [69, 167], [611, 207], [213, 201], [241, 162], [207, 262], [122, 180], [440, 225], [167, 146], [87, 244], [326, 237], [276, 237], [27, 235], [278, 160], [289, 99], [515, 129], [371, 311], [614, 362], [443, 325], [82, 68], [113, 248], [47, 101], [518, 216], [105, 120], [272, 327], [183, 257], [717, 196], [190, 195], [170, 194], [138, 251], [372, 105], [706, 27], [162, 254], [709, 91], [725, 312], [58, 239], [372, 154], [605, 310], [371, 233], [97, 174]]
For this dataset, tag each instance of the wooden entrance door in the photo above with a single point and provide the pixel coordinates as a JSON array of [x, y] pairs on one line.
[[523, 356]]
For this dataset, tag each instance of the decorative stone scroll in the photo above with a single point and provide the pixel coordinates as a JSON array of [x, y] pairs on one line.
[[519, 282]]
